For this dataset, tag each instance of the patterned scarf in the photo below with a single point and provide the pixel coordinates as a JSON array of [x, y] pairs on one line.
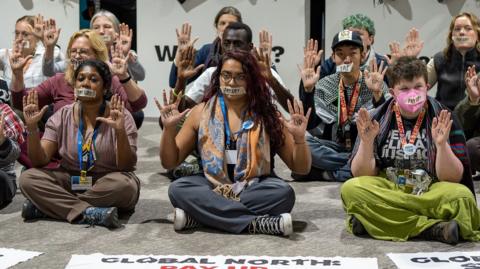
[[253, 147], [384, 115]]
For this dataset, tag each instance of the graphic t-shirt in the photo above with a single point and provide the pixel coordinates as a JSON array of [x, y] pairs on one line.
[[391, 154]]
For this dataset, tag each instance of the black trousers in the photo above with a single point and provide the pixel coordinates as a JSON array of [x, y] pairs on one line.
[[8, 188]]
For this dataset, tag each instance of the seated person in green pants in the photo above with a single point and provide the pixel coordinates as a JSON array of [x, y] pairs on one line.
[[427, 190]]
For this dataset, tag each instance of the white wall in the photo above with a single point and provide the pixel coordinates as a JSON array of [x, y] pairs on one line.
[[157, 20], [65, 12], [394, 18]]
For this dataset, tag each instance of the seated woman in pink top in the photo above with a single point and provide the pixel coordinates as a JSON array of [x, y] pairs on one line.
[[97, 141]]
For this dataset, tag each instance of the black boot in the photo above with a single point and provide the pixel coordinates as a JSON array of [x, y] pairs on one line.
[[357, 227], [446, 232]]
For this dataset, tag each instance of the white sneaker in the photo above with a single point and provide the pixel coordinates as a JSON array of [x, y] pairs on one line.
[[182, 221]]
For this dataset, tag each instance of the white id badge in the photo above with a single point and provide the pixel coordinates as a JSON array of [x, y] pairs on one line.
[[231, 156], [81, 183]]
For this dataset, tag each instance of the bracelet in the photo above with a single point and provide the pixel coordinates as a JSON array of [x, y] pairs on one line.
[[178, 95], [123, 81], [299, 143]]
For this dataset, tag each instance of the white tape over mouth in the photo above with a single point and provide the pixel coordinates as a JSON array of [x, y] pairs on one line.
[[106, 38], [85, 92], [233, 91], [344, 68], [76, 63], [26, 44], [461, 39]]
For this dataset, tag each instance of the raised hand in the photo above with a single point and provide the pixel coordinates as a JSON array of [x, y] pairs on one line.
[[374, 77], [265, 43], [395, 52], [119, 65], [307, 72], [367, 129], [413, 44], [51, 33], [264, 62], [441, 126], [169, 114], [184, 35], [116, 118], [186, 63], [297, 124], [38, 27], [471, 80], [125, 38], [16, 58], [311, 50], [30, 110]]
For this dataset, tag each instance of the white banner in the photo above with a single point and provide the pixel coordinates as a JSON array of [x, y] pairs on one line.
[[10, 257], [437, 260], [101, 261]]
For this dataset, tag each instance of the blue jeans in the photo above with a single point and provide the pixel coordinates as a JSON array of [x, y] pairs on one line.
[[330, 156]]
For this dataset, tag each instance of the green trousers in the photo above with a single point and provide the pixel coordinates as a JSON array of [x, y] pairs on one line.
[[388, 213]]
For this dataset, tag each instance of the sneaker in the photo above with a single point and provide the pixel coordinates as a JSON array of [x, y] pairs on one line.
[[446, 232], [357, 227], [30, 211], [103, 216], [182, 221], [274, 225], [186, 169]]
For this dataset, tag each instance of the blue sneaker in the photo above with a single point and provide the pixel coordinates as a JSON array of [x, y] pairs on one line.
[[103, 216], [30, 211]]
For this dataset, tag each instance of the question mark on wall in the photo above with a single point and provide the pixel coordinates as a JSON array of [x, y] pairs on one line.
[[278, 51]]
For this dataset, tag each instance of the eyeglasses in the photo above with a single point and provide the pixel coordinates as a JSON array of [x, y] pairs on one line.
[[23, 34], [81, 52], [227, 77]]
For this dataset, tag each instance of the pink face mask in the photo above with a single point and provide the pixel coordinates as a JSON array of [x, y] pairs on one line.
[[411, 100]]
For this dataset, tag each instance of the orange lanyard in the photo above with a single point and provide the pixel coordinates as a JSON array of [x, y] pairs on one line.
[[401, 130], [345, 112]]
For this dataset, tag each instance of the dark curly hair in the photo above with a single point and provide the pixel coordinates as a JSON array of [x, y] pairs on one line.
[[104, 72], [406, 68], [260, 98]]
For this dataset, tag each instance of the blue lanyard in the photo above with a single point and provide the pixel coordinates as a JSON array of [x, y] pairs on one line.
[[246, 125], [85, 164]]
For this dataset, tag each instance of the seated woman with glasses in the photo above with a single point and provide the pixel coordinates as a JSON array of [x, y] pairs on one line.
[[237, 131], [59, 91], [29, 49]]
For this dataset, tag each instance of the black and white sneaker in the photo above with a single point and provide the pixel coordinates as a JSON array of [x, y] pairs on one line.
[[182, 221], [274, 225]]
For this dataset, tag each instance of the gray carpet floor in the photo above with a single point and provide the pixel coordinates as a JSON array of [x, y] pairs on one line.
[[318, 225]]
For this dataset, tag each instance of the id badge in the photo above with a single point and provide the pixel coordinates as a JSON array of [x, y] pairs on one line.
[[80, 183], [231, 156]]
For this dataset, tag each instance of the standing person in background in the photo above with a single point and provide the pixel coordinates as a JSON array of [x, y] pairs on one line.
[[448, 67], [208, 54], [33, 45]]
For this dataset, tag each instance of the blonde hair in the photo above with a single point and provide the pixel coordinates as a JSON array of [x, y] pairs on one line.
[[447, 51], [96, 44]]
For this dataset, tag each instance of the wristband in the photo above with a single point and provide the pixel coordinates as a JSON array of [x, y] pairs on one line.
[[123, 81]]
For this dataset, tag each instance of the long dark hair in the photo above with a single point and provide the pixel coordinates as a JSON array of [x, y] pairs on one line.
[[260, 100]]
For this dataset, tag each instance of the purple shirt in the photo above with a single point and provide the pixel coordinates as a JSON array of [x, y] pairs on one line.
[[62, 129]]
